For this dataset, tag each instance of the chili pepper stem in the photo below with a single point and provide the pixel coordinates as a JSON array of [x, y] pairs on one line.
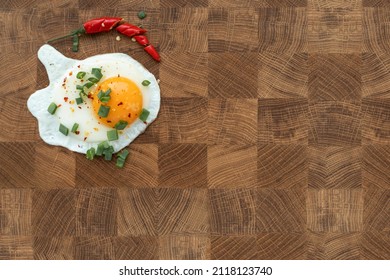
[[74, 32]]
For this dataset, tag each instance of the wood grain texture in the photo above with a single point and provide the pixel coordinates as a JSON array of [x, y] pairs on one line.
[[272, 142]]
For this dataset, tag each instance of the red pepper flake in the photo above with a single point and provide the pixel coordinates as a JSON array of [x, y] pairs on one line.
[[59, 105], [70, 73], [120, 103], [108, 121], [79, 107], [85, 138], [78, 66], [66, 99], [64, 80], [129, 115], [119, 75], [77, 132], [145, 123]]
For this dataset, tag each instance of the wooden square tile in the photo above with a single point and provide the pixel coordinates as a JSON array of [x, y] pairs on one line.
[[183, 3], [53, 248], [55, 167], [335, 30], [375, 22], [334, 77], [16, 247], [333, 246], [233, 248], [232, 121], [190, 209], [282, 75], [96, 212], [338, 210], [15, 211], [281, 210], [375, 75], [376, 121], [184, 247], [94, 248], [140, 169], [137, 212], [184, 75], [335, 168], [283, 121], [232, 30], [53, 212], [282, 166], [257, 3], [232, 166], [233, 212], [183, 120], [375, 165], [178, 23], [335, 4], [376, 213], [183, 165], [335, 123], [282, 246], [232, 75], [136, 248], [16, 121], [283, 30], [18, 170], [375, 245]]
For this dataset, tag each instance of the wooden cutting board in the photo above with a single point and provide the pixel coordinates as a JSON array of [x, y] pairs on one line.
[[272, 142]]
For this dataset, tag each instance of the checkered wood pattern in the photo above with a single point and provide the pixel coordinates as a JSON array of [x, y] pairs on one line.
[[273, 139]]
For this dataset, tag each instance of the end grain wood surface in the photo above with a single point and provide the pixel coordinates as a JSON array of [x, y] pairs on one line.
[[273, 139]]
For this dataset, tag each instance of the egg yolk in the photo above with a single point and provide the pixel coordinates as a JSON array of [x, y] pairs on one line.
[[125, 101]]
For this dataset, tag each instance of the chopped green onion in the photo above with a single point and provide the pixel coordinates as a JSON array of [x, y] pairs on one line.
[[141, 15], [112, 135], [145, 83], [63, 129], [104, 96], [120, 162], [52, 108], [79, 100], [80, 87], [121, 125], [93, 80], [80, 75], [123, 154], [88, 84], [103, 111], [144, 115], [91, 153], [102, 147], [97, 72], [108, 153], [75, 127], [75, 45]]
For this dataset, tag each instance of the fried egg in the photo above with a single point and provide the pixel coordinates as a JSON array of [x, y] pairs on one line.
[[76, 88]]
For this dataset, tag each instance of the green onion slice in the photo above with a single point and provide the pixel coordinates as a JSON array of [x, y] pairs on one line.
[[74, 127], [145, 83], [75, 45], [120, 162], [91, 153], [121, 125], [52, 108], [64, 130], [88, 84], [93, 80], [103, 111], [80, 75], [123, 154], [144, 115], [141, 15], [97, 72], [79, 100], [112, 135]]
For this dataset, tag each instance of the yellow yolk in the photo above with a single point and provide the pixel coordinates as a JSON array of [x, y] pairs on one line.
[[125, 102]]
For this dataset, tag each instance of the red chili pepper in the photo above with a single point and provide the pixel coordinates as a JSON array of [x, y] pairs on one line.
[[153, 53], [95, 25], [142, 40], [130, 30]]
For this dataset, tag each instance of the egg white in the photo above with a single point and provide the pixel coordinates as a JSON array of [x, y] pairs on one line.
[[62, 83]]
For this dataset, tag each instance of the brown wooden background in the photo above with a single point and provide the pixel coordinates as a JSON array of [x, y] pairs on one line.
[[273, 140]]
